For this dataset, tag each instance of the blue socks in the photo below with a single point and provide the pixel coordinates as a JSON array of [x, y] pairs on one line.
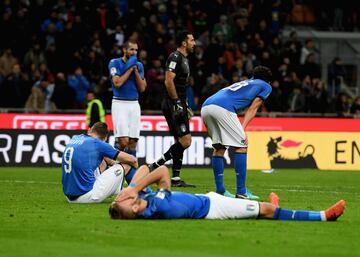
[[218, 168], [240, 171], [130, 175], [285, 214]]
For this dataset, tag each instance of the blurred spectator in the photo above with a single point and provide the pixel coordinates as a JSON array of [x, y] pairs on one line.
[[297, 100], [80, 84], [15, 89], [318, 97], [355, 107], [310, 67], [95, 111], [274, 102], [308, 48], [336, 74], [63, 95], [155, 83], [341, 105], [223, 28], [7, 62], [39, 100], [34, 56]]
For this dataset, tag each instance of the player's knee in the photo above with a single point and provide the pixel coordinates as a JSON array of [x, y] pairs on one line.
[[185, 141], [123, 142], [218, 152]]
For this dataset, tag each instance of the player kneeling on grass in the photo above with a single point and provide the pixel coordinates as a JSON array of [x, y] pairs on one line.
[[86, 177], [133, 203]]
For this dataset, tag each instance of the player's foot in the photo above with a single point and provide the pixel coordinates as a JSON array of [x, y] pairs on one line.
[[177, 182], [274, 199], [334, 212], [248, 195], [227, 194]]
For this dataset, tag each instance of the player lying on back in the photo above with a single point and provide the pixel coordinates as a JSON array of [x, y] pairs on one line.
[[133, 203]]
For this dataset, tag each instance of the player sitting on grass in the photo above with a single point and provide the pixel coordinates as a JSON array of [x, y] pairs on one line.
[[86, 177], [133, 203]]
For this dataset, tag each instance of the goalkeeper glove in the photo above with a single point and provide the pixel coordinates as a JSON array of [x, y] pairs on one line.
[[178, 109]]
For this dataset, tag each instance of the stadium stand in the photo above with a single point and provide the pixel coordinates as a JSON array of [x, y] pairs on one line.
[[46, 43]]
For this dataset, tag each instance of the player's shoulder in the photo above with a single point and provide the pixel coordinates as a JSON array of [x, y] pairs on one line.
[[174, 56], [114, 61]]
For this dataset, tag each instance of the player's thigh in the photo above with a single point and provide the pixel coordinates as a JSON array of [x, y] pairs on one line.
[[134, 120], [178, 125], [120, 112], [222, 207], [106, 184], [230, 130]]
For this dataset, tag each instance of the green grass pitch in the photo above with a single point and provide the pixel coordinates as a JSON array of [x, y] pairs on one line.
[[35, 220]]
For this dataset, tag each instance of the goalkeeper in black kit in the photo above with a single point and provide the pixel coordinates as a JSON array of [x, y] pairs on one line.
[[174, 106]]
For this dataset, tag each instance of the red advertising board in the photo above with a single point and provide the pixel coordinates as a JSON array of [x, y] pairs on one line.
[[158, 123]]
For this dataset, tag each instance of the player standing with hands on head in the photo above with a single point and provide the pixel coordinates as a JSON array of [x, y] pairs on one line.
[[127, 80], [175, 107], [219, 113]]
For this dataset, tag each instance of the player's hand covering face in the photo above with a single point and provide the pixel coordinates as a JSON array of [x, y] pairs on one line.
[[127, 193]]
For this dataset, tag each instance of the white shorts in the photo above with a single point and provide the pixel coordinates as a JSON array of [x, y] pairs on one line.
[[126, 118], [222, 208], [106, 184], [223, 126]]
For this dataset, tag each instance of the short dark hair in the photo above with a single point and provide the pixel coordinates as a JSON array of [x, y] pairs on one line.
[[127, 44], [263, 73], [181, 36], [101, 129], [114, 211]]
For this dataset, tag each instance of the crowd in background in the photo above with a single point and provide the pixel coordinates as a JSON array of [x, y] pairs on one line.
[[53, 52]]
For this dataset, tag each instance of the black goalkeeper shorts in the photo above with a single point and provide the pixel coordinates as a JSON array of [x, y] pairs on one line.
[[178, 125]]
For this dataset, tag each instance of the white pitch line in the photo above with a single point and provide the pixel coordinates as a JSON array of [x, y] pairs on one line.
[[310, 191], [29, 182]]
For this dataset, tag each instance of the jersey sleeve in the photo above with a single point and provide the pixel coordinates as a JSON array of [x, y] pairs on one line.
[[141, 69], [159, 205], [113, 69], [173, 63], [107, 150], [265, 92]]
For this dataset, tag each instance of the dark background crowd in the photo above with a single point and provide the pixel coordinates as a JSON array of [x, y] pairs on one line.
[[53, 52]]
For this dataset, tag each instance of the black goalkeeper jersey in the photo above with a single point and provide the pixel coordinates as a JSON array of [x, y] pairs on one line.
[[179, 64]]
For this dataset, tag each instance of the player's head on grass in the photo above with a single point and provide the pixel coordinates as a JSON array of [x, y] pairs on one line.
[[127, 209], [263, 73], [99, 130]]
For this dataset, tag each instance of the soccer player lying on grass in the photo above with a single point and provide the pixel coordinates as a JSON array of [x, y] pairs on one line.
[[133, 203]]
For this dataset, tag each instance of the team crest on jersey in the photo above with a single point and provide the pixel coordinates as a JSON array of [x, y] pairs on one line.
[[113, 71], [160, 195], [172, 65]]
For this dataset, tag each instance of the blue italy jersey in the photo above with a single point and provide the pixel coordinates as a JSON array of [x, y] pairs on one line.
[[175, 205], [82, 156], [128, 91], [240, 95]]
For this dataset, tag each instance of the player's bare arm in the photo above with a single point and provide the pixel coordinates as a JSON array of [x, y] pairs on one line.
[[127, 159], [251, 111], [169, 84], [120, 80], [160, 176], [140, 83]]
